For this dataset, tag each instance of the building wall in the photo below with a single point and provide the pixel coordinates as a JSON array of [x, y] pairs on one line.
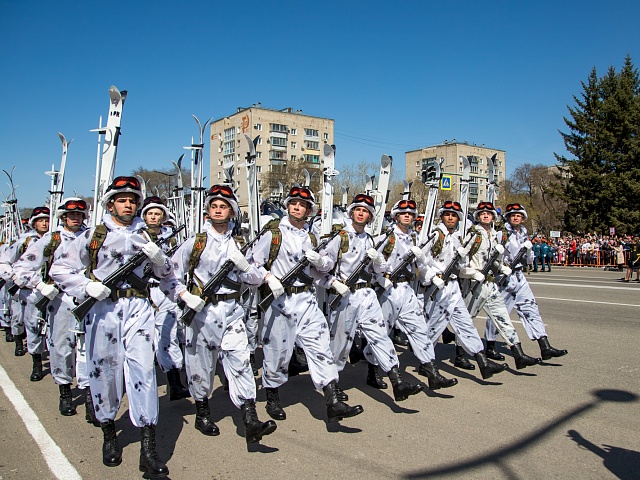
[[287, 138], [451, 152]]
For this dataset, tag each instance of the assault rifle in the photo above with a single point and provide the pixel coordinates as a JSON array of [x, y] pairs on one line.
[[220, 278], [517, 260], [359, 273], [2, 282], [13, 289], [430, 292], [124, 273], [297, 270]]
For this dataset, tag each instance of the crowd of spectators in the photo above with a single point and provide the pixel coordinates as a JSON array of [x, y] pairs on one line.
[[589, 250]]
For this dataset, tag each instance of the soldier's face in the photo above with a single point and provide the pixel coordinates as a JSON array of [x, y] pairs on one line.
[[73, 221], [485, 218], [41, 225], [515, 219], [360, 215], [450, 220], [405, 218], [219, 211], [123, 207], [154, 217]]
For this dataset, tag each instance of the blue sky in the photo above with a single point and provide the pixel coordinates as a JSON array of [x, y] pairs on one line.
[[395, 76]]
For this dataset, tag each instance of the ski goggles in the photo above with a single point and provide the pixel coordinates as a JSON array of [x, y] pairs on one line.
[[150, 200], [364, 198], [449, 205], [124, 182], [222, 191], [73, 205], [485, 206], [514, 207], [301, 192], [40, 211], [407, 204], [420, 219]]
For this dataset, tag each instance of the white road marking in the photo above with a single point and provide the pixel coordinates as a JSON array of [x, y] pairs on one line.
[[56, 461], [588, 301], [580, 285]]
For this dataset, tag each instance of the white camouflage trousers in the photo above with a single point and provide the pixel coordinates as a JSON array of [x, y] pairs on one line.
[[490, 299], [447, 307], [119, 342], [17, 314], [35, 341], [291, 319], [168, 350], [217, 332], [400, 308], [61, 342], [517, 293], [361, 309]]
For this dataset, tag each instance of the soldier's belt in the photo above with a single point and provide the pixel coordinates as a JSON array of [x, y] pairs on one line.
[[294, 290], [221, 297], [128, 293], [358, 286], [399, 279]]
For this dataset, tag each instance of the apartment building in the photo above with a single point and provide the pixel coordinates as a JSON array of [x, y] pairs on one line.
[[451, 151], [290, 142]]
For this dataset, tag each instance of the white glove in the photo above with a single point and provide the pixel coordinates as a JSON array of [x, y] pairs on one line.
[[194, 302], [384, 282], [48, 290], [462, 252], [276, 287], [375, 256], [5, 271], [19, 281], [505, 270], [314, 258], [154, 252], [238, 258], [97, 290], [499, 249], [528, 245], [438, 282], [340, 287], [419, 254], [478, 276]]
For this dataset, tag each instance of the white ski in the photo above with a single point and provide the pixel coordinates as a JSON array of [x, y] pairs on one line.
[[57, 184], [382, 194], [431, 177], [464, 194], [492, 185], [329, 172], [197, 178], [253, 194]]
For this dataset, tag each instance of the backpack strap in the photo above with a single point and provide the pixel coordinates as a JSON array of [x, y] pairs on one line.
[[276, 241], [436, 248], [24, 246], [48, 252], [389, 246], [194, 259], [97, 239]]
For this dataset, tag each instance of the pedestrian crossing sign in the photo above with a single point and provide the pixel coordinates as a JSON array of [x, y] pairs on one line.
[[445, 182]]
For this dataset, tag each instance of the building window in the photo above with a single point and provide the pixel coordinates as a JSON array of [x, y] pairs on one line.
[[294, 131], [293, 158], [278, 127], [312, 158], [258, 127], [278, 142], [274, 155], [229, 134], [312, 145], [229, 148], [309, 132], [259, 183], [260, 141], [258, 154], [294, 144], [325, 136]]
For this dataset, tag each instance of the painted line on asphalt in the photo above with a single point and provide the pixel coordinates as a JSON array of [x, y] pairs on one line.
[[56, 461], [588, 301], [580, 285]]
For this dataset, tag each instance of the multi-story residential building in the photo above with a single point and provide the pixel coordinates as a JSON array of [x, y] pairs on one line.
[[451, 152], [290, 142]]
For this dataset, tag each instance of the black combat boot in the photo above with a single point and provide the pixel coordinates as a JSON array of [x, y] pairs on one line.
[[337, 409], [488, 367], [491, 351], [448, 336], [203, 419], [252, 362], [374, 378], [20, 350], [254, 429], [111, 451], [461, 360], [547, 351], [342, 396], [89, 412], [298, 363], [8, 336], [436, 379], [522, 359], [149, 461], [401, 389], [66, 401], [36, 372], [399, 338], [274, 409], [177, 391]]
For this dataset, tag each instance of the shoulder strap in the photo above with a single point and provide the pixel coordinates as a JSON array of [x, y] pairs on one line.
[[436, 248], [476, 245], [276, 241], [198, 247], [97, 239], [48, 252], [23, 247]]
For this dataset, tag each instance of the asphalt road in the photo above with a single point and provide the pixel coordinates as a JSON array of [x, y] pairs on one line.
[[573, 417]]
